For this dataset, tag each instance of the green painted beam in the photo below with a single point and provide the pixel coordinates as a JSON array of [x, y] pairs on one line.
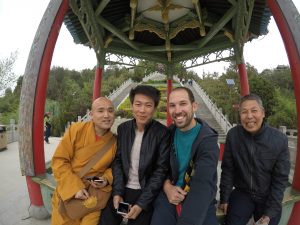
[[91, 20], [137, 54], [233, 2], [242, 23], [101, 7], [229, 58], [169, 71], [101, 59], [243, 18], [161, 48], [218, 26], [203, 51], [116, 32]]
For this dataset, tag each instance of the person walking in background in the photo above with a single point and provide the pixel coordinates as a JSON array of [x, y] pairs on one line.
[[256, 164], [80, 144], [141, 163], [188, 195], [47, 127]]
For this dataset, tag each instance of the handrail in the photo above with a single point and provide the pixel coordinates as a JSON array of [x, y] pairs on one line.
[[111, 96], [121, 88], [114, 94], [154, 76], [217, 113]]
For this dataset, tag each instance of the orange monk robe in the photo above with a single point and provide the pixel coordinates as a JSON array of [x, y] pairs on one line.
[[76, 148]]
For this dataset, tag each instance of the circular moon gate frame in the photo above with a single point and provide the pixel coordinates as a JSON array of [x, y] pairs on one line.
[[33, 96]]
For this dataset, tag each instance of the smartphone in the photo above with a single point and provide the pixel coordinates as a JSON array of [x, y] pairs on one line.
[[123, 208], [98, 180], [259, 223], [95, 179]]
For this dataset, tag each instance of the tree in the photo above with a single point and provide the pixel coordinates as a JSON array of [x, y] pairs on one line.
[[7, 76], [284, 111]]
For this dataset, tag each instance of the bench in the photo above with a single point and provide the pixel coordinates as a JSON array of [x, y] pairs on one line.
[[48, 184], [289, 199]]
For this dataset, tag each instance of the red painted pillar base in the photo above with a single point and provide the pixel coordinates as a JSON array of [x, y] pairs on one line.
[[295, 216], [243, 79], [34, 190], [37, 209], [169, 89], [97, 83]]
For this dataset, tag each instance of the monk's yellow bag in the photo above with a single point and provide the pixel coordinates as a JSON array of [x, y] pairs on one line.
[[78, 208]]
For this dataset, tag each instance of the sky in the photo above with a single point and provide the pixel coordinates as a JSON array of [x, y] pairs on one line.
[[19, 20]]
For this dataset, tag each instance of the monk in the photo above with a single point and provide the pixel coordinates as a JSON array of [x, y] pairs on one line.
[[77, 147]]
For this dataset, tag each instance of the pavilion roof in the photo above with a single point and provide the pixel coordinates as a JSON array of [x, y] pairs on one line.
[[167, 31]]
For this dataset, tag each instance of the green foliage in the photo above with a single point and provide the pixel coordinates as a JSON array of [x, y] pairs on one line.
[[7, 77], [281, 78], [69, 92], [284, 112], [155, 82], [221, 94], [225, 97], [266, 90], [125, 111], [9, 106]]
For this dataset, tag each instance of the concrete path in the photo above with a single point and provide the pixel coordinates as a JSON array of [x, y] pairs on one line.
[[14, 199]]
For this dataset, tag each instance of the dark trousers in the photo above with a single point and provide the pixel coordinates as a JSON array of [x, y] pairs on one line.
[[242, 207], [165, 212], [109, 215], [47, 133]]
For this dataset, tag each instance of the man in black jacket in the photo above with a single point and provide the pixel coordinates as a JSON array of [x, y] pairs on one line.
[[255, 163], [141, 162], [188, 196]]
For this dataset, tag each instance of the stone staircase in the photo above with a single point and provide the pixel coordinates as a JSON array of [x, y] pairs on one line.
[[204, 113], [118, 100]]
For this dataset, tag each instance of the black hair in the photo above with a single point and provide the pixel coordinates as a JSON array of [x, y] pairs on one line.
[[190, 93], [147, 90], [251, 97]]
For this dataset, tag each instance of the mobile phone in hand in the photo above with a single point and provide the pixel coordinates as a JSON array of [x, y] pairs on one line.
[[123, 208], [99, 180], [260, 223], [95, 179]]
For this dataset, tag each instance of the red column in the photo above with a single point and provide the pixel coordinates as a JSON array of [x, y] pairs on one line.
[[284, 15], [34, 192], [222, 146], [97, 82], [40, 99], [169, 89], [243, 79]]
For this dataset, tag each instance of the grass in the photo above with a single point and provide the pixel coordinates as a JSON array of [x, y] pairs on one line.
[[124, 109]]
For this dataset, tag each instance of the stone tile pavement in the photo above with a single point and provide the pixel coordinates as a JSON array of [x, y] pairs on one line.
[[14, 199]]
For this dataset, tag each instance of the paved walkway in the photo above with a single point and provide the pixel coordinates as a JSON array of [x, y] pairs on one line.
[[14, 199]]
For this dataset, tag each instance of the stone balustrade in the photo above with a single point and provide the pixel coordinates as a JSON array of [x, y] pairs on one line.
[[216, 112], [119, 90]]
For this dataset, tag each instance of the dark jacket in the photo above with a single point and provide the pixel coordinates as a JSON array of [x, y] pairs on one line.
[[203, 184], [258, 164], [153, 164]]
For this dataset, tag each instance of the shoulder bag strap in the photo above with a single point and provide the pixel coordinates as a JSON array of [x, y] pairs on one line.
[[97, 157]]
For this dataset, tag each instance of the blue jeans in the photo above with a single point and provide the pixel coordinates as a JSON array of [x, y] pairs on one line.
[[242, 207], [165, 212]]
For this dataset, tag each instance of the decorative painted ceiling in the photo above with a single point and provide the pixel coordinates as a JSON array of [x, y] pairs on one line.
[[168, 31]]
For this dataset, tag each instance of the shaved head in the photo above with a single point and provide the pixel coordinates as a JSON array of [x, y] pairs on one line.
[[102, 115], [101, 101]]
